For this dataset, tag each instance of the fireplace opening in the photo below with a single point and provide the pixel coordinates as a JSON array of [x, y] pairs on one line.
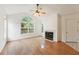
[[49, 35]]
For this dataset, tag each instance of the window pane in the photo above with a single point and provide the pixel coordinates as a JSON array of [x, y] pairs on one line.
[[26, 25]]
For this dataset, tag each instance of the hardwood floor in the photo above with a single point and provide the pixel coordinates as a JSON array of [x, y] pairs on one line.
[[32, 47]]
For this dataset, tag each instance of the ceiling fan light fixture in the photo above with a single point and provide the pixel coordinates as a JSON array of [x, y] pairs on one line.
[[38, 11]]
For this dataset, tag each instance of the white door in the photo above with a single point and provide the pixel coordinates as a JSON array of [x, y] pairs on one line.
[[71, 30]]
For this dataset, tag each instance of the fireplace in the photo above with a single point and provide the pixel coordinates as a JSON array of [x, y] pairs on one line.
[[49, 35]]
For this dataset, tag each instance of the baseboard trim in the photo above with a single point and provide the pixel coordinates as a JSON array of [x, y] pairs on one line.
[[59, 41], [52, 40]]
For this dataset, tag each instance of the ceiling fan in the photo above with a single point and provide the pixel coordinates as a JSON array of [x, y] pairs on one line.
[[38, 11]]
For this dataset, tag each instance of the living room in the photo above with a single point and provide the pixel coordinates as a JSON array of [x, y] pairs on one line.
[[30, 27]]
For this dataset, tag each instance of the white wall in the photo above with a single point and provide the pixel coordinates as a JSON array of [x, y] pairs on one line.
[[1, 33], [2, 29], [14, 27], [49, 22]]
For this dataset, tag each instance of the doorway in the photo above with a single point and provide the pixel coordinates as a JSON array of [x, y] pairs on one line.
[[72, 30]]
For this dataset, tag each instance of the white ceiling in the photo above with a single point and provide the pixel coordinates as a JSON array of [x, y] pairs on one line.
[[63, 9]]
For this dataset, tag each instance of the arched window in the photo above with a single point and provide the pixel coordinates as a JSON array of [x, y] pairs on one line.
[[27, 25]]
